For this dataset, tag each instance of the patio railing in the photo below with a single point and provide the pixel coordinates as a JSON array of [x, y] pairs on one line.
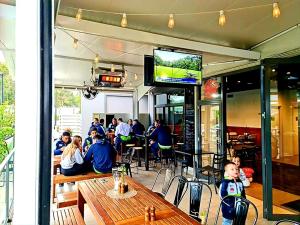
[[7, 185]]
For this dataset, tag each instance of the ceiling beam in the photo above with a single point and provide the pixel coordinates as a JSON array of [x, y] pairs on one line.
[[102, 61], [110, 31]]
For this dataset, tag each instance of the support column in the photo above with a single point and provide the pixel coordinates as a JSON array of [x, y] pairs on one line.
[[135, 104], [197, 126]]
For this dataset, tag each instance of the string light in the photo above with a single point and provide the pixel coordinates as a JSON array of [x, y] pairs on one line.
[[79, 15], [222, 18], [75, 43], [96, 60], [276, 10], [112, 69], [171, 22], [135, 76], [124, 20]]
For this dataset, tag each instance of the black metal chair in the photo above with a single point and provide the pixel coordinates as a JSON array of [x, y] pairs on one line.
[[127, 160], [214, 170], [181, 188], [240, 207], [287, 222], [169, 174], [196, 192]]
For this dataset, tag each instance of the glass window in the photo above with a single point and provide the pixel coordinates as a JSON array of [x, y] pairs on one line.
[[161, 99], [159, 113], [174, 99]]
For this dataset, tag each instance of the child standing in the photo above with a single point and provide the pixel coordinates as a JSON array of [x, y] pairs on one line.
[[243, 177], [231, 186]]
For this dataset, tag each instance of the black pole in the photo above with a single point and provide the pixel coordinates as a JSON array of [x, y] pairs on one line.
[[45, 112]]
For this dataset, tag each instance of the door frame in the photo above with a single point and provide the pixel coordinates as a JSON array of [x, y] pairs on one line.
[[266, 139]]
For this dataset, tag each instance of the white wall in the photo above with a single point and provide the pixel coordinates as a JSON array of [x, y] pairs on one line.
[[108, 102], [243, 109], [143, 104]]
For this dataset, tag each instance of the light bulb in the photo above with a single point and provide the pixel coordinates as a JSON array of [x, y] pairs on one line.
[[171, 22], [75, 43], [79, 15], [112, 69], [124, 20], [276, 10], [96, 58], [135, 76], [222, 18]]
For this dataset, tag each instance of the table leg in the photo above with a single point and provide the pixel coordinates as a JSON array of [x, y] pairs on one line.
[[139, 158], [80, 203], [146, 154]]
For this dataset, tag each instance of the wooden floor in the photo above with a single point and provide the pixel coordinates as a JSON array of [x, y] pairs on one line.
[[279, 197]]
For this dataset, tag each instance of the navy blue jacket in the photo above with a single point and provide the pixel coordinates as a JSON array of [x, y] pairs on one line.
[[99, 127], [229, 187], [162, 135], [100, 154], [58, 145], [138, 128]]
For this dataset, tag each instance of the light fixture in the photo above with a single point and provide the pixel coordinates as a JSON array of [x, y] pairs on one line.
[[79, 15], [96, 60], [273, 70], [222, 18], [112, 69], [135, 76], [288, 73], [239, 81], [171, 22], [75, 43], [124, 20], [276, 10]]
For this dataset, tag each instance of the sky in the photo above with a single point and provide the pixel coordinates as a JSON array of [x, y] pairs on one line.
[[2, 59]]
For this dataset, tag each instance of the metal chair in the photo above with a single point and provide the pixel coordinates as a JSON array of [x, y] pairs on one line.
[[127, 160], [196, 193], [291, 222], [240, 208], [215, 169], [169, 174]]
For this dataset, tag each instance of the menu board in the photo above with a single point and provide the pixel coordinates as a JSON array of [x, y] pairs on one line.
[[189, 122]]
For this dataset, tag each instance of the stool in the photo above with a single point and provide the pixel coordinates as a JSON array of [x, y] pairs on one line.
[[184, 162], [161, 150], [137, 150]]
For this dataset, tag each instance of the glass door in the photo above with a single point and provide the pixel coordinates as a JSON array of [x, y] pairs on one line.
[[210, 132], [281, 95]]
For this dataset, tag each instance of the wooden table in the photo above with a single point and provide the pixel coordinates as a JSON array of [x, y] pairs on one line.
[[56, 163], [127, 211]]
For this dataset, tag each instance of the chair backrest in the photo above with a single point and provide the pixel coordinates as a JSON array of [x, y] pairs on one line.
[[241, 208], [287, 222], [169, 173], [181, 188], [218, 161]]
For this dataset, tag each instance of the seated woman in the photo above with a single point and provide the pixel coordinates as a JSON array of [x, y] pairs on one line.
[[162, 137], [101, 155], [72, 159], [61, 144]]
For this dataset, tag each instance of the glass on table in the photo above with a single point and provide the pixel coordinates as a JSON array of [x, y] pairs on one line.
[[117, 177]]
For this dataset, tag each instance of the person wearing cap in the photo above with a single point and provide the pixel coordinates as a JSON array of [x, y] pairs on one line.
[[122, 134], [60, 144], [100, 155]]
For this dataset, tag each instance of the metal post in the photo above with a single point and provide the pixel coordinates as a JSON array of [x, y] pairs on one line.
[[196, 127], [7, 192]]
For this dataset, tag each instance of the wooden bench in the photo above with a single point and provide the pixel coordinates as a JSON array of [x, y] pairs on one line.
[[60, 179], [67, 216], [66, 199]]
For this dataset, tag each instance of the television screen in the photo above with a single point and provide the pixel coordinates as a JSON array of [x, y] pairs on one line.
[[177, 67]]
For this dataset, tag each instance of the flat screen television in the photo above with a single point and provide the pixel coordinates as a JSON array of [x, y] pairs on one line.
[[177, 68]]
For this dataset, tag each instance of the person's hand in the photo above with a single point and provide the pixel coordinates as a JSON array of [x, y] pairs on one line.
[[152, 142], [62, 149], [86, 148]]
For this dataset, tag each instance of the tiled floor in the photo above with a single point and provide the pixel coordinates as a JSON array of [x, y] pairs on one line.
[[147, 179]]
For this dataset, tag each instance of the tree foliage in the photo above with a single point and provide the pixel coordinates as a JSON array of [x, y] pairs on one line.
[[7, 116], [188, 62], [67, 98]]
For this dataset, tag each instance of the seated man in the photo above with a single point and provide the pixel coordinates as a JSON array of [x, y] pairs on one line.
[[122, 134], [162, 137], [137, 127], [61, 143], [112, 126], [101, 155], [89, 140]]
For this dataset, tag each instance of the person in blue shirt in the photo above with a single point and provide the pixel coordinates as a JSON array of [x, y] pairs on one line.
[[89, 140], [160, 139], [98, 125], [101, 155], [62, 143], [137, 127]]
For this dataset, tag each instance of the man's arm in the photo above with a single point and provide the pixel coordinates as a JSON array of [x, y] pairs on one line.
[[117, 130], [88, 156]]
